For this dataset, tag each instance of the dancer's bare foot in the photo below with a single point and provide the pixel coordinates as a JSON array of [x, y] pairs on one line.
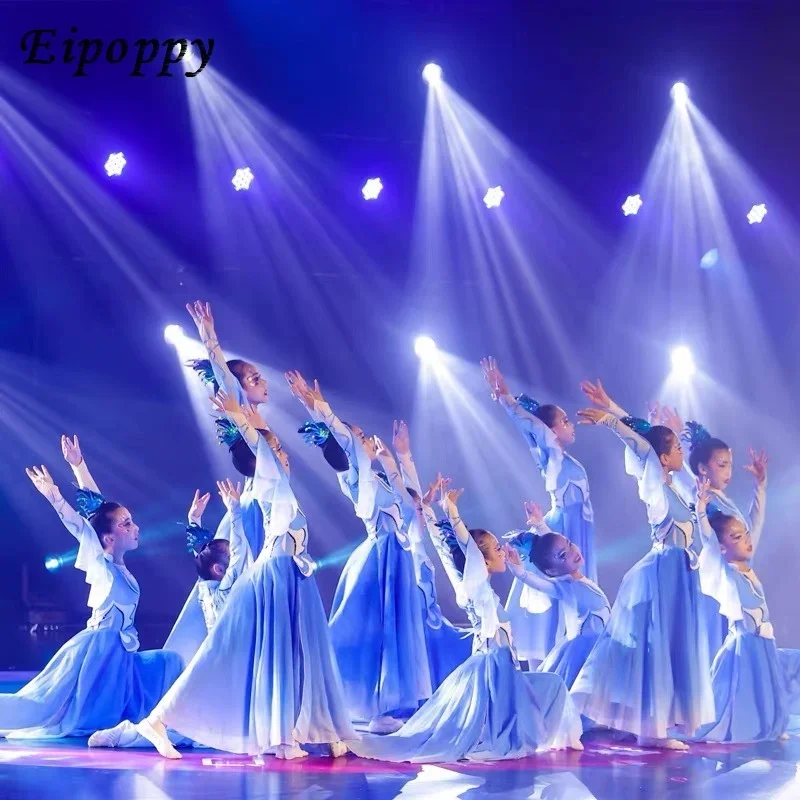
[[156, 733], [783, 737], [663, 744], [339, 749], [290, 751]]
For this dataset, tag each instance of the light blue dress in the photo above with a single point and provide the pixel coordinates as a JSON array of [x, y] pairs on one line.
[[447, 646], [376, 620], [648, 673], [586, 611], [487, 709], [99, 677], [189, 630], [265, 675], [686, 485], [749, 680], [212, 597], [570, 514]]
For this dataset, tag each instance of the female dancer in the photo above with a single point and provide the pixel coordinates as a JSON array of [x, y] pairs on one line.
[[376, 620], [266, 672], [554, 572], [219, 563], [548, 431], [648, 672], [487, 709], [749, 684], [243, 381], [446, 645], [98, 677]]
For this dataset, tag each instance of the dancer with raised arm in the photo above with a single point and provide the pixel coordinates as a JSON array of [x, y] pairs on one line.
[[242, 380], [265, 680], [750, 690], [548, 432], [554, 571], [648, 673], [487, 709], [376, 620], [219, 564], [99, 677]]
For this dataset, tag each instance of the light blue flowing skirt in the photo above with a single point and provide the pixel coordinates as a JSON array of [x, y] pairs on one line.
[[377, 631], [535, 635], [648, 674], [749, 691], [487, 710], [567, 659], [91, 683], [448, 647], [266, 674]]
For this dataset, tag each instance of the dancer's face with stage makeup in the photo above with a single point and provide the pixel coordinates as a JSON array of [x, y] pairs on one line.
[[563, 428], [672, 460], [563, 557], [494, 554], [735, 542], [367, 441], [124, 533], [718, 469], [253, 383]]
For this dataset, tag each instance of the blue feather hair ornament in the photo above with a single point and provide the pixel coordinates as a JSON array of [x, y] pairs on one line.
[[697, 433], [204, 370], [227, 433], [314, 433], [197, 538], [636, 424], [528, 403], [88, 502]]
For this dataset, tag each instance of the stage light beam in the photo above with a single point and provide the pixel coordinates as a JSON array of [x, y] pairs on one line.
[[425, 348], [432, 73], [632, 205], [114, 165], [494, 197], [173, 334], [680, 94], [683, 366], [372, 188], [757, 213], [242, 178]]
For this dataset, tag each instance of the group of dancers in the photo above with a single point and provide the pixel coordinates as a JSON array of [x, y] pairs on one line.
[[254, 666]]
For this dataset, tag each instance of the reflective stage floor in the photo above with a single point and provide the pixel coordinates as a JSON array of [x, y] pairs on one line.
[[68, 770]]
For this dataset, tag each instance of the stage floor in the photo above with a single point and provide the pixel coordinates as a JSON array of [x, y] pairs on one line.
[[68, 770]]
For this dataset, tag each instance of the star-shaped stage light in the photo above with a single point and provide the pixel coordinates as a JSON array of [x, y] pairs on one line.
[[632, 205], [115, 164], [757, 213], [242, 178], [494, 197], [372, 188]]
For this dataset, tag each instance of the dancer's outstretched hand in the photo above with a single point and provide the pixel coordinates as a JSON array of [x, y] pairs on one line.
[[71, 449], [533, 514], [230, 493], [226, 403], [703, 495], [41, 479], [401, 441], [512, 556], [299, 387], [252, 416], [591, 416], [203, 319], [497, 383], [758, 466], [198, 506], [597, 394], [672, 419]]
